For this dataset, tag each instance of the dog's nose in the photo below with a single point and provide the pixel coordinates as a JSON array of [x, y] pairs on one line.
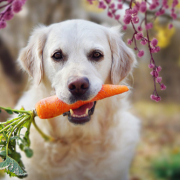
[[78, 86]]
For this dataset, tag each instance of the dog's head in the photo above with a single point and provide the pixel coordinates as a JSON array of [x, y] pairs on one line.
[[75, 58]]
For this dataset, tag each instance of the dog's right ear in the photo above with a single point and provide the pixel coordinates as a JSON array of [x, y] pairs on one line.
[[31, 57]]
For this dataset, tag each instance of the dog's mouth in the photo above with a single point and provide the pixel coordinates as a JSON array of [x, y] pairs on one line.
[[82, 114]]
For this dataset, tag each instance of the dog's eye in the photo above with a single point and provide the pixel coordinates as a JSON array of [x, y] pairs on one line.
[[96, 55], [57, 56]]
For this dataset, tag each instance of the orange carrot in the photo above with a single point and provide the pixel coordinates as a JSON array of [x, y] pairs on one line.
[[52, 106]]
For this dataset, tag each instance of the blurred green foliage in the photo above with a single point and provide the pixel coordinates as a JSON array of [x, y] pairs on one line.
[[167, 167]]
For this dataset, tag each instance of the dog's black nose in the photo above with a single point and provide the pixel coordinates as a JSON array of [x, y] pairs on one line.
[[78, 86]]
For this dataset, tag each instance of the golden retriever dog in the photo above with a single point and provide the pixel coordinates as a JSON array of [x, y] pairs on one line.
[[97, 141]]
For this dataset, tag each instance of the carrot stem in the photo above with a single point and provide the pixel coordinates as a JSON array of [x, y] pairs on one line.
[[46, 137]]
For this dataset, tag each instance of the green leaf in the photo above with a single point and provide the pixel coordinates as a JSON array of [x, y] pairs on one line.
[[3, 153], [26, 124], [16, 112], [14, 137], [5, 136], [1, 126], [3, 143], [12, 143], [16, 156], [9, 111], [12, 167], [28, 152], [20, 114], [4, 164], [0, 110], [21, 146]]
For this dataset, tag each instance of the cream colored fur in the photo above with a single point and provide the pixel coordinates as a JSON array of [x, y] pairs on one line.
[[101, 149]]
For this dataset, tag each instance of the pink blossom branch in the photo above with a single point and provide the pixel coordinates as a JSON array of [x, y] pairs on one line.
[[8, 10], [156, 8]]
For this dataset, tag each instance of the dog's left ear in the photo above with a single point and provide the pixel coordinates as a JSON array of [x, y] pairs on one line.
[[31, 57], [123, 58]]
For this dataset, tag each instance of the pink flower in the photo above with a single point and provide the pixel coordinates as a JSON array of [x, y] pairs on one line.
[[152, 6], [163, 87], [138, 36], [151, 66], [174, 16], [157, 13], [172, 10], [164, 3], [156, 2], [158, 98], [109, 14], [159, 68], [134, 11], [135, 19], [8, 15], [158, 79], [170, 26], [117, 17], [162, 11], [129, 41], [155, 98], [140, 53], [23, 1], [17, 6], [143, 42], [112, 6], [154, 73], [108, 1], [128, 12], [149, 26], [143, 7], [152, 50], [113, 11], [104, 7], [124, 27], [157, 49], [154, 42], [127, 18], [139, 28], [120, 6], [137, 5], [2, 24], [101, 4], [175, 3]]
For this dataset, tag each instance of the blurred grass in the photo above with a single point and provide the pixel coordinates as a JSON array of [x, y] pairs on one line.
[[159, 135], [148, 109]]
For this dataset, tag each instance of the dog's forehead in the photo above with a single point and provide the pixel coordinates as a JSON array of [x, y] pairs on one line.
[[77, 33]]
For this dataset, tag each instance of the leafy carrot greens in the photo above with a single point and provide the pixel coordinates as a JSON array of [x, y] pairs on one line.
[[11, 137]]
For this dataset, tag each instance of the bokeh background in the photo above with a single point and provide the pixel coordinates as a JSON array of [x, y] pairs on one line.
[[159, 148]]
